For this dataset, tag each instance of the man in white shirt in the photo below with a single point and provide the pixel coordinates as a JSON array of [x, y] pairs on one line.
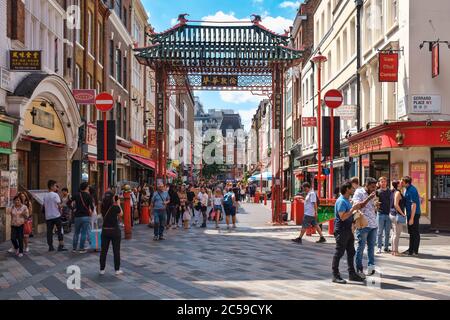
[[52, 209], [310, 217], [365, 196]]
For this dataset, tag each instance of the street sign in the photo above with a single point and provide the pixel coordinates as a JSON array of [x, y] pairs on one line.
[[25, 60], [104, 102], [333, 99], [346, 112]]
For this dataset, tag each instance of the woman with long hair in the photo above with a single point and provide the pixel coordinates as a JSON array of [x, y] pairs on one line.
[[28, 226], [111, 212], [397, 215], [217, 201], [182, 195]]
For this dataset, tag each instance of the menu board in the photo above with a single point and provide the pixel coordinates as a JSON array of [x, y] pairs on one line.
[[418, 173], [4, 189]]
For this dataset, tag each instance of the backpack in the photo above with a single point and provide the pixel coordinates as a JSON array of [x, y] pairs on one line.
[[228, 199]]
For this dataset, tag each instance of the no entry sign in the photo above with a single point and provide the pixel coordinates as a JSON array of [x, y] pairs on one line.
[[333, 99], [104, 102]]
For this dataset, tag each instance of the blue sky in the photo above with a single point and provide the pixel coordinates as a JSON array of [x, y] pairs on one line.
[[277, 15]]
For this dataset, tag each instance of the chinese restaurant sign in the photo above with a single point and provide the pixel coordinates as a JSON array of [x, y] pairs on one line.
[[160, 112], [152, 138], [442, 168], [365, 146], [388, 67], [91, 136], [140, 151], [309, 122], [219, 81], [25, 60], [418, 173], [84, 96]]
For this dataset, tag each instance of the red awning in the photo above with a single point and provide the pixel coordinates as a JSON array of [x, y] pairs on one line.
[[43, 141], [144, 162], [171, 174], [94, 159]]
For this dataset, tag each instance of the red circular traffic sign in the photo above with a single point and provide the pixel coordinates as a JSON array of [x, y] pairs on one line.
[[104, 101], [333, 99]]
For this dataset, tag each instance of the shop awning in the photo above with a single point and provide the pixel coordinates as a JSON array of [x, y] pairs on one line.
[[143, 162], [43, 141]]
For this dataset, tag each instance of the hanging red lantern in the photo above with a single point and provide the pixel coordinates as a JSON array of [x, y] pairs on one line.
[[322, 177], [299, 176]]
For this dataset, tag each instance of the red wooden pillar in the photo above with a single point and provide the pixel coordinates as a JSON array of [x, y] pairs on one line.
[[127, 213]]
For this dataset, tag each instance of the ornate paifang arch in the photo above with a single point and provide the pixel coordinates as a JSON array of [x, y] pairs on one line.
[[227, 56]]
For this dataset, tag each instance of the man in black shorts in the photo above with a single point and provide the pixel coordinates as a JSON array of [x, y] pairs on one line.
[[229, 204]]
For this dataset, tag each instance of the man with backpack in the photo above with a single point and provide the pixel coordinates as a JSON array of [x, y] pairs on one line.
[[310, 216], [229, 205]]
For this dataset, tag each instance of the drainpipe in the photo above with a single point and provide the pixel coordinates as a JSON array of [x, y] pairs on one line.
[[359, 4]]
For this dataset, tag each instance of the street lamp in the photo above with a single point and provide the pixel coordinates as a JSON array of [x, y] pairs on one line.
[[319, 60]]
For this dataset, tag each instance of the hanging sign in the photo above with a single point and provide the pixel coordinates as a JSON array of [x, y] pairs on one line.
[[277, 110], [435, 60], [309, 122], [84, 96], [151, 138], [388, 67], [160, 112], [219, 81]]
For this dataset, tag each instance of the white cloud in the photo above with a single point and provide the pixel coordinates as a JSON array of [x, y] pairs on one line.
[[246, 117], [290, 4], [277, 24], [238, 97]]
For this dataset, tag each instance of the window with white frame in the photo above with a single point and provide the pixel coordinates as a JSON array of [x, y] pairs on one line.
[[352, 37], [77, 78], [344, 47], [90, 32]]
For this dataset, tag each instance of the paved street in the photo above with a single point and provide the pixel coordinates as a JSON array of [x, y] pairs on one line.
[[255, 261]]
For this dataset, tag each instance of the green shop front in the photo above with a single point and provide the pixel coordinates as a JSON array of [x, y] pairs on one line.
[[8, 176]]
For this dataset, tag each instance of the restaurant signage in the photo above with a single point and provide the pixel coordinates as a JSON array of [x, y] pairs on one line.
[[309, 122], [91, 136], [418, 173], [388, 67], [6, 135], [25, 60], [365, 146], [140, 151], [84, 96], [442, 168]]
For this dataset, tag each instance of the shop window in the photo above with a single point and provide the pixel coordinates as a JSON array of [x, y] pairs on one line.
[[441, 174]]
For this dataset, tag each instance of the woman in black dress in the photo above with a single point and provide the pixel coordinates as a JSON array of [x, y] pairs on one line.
[[111, 212]]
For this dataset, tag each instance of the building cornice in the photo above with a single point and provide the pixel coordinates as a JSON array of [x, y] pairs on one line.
[[120, 27]]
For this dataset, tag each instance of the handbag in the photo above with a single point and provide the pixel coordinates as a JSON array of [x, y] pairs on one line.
[[360, 220], [27, 228]]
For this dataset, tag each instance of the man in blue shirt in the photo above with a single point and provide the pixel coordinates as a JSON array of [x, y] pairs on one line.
[[412, 206], [345, 241], [159, 203]]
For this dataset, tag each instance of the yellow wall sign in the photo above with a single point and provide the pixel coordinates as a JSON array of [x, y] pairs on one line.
[[25, 60], [140, 151], [38, 124]]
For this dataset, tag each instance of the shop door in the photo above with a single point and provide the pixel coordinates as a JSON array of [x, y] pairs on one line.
[[380, 166], [440, 182]]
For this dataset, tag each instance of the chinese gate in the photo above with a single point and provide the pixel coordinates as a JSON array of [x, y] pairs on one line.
[[234, 57]]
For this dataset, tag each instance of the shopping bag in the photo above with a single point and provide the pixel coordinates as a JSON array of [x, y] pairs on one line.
[[95, 235]]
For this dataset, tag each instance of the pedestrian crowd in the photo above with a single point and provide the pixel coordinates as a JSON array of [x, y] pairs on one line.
[[171, 207], [371, 214]]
